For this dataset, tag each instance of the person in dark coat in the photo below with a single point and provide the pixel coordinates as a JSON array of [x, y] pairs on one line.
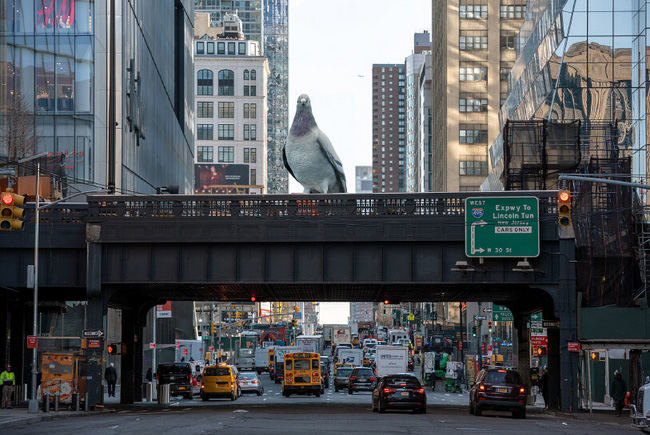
[[617, 391], [110, 375], [543, 387], [149, 375]]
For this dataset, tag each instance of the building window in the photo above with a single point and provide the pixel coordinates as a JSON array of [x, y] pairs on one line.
[[505, 70], [473, 165], [226, 154], [226, 131], [508, 39], [226, 82], [204, 131], [242, 48], [246, 74], [473, 103], [470, 73], [473, 9], [473, 134], [231, 48], [253, 75], [210, 47], [221, 48], [250, 110], [200, 47], [250, 155], [253, 177], [204, 82], [205, 109], [247, 131], [250, 90], [473, 40], [513, 11], [253, 132], [226, 110], [204, 154]]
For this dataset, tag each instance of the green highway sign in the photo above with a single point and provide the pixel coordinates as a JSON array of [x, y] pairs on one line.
[[536, 317], [501, 314], [505, 226]]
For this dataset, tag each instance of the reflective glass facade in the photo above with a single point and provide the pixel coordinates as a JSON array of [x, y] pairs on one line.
[[581, 60], [47, 68]]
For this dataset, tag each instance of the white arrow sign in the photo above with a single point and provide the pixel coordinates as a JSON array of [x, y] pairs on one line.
[[93, 333], [473, 237]]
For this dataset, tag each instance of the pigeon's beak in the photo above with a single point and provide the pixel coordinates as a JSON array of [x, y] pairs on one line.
[[303, 102]]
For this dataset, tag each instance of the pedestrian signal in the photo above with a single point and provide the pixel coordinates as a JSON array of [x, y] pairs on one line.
[[113, 349]]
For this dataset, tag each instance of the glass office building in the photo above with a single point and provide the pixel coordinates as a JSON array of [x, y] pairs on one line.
[[581, 60]]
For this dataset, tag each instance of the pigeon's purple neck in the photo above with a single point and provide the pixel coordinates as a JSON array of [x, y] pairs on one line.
[[302, 122]]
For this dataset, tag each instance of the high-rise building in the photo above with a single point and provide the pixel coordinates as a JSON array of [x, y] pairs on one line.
[[114, 102], [230, 111], [425, 153], [473, 51], [388, 124], [362, 312], [363, 178], [267, 22]]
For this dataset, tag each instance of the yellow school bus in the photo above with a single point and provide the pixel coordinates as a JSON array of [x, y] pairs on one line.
[[301, 374]]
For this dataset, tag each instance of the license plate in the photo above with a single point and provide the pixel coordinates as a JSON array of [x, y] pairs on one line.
[[404, 394], [181, 388], [502, 390], [362, 380]]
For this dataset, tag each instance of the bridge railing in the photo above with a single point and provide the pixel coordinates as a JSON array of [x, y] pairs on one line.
[[102, 207]]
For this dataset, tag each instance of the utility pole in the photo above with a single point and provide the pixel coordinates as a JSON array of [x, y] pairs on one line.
[[479, 351]]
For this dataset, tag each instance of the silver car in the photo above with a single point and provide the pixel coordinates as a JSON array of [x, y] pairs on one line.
[[249, 382]]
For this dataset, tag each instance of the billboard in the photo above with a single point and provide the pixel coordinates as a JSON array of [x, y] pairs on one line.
[[211, 178]]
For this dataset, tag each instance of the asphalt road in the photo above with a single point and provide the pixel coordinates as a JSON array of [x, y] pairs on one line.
[[332, 413]]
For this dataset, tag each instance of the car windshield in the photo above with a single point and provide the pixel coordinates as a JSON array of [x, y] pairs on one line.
[[406, 381], [505, 376], [363, 372], [248, 376], [216, 371], [344, 372]]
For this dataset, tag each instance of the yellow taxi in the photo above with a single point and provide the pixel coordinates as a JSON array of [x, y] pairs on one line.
[[219, 381]]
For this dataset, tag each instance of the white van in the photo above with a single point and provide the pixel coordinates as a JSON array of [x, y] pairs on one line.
[[370, 342]]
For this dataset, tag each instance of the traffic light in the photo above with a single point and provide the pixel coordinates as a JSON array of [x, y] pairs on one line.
[[295, 309], [473, 331], [213, 328], [113, 349], [294, 323], [564, 208], [10, 213], [490, 326]]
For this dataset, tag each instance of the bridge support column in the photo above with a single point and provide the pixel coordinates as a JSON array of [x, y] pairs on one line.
[[523, 346], [96, 311], [131, 336]]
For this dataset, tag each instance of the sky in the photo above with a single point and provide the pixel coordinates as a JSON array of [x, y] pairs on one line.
[[332, 47]]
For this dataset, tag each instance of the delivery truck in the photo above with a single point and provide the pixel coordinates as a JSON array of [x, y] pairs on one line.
[[391, 360], [351, 356]]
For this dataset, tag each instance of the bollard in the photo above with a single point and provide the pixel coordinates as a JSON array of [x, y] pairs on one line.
[[18, 393], [86, 404], [46, 402], [149, 395], [75, 401], [163, 394], [25, 390], [56, 402]]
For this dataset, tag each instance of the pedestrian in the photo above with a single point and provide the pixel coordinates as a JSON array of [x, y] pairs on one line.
[[460, 377], [617, 392], [8, 380], [543, 386], [110, 375], [149, 375]]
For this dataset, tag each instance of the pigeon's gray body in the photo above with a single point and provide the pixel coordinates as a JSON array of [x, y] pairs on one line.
[[309, 155]]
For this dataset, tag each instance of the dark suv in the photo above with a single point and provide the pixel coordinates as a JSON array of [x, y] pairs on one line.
[[498, 389], [178, 376], [362, 379]]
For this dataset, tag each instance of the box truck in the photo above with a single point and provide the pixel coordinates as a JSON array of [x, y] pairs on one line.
[[391, 359]]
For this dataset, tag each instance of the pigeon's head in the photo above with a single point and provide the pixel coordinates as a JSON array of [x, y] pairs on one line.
[[304, 102]]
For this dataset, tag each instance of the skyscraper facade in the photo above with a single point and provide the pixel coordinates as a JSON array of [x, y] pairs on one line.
[[473, 52], [388, 128], [413, 64], [267, 22], [113, 102]]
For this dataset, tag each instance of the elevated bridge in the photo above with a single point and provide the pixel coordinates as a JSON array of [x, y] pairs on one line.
[[133, 252]]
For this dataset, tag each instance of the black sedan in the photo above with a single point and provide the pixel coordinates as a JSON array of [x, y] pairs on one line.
[[400, 391]]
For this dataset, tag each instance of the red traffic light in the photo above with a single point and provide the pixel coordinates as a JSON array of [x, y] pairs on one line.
[[386, 302], [7, 199], [564, 195], [252, 298]]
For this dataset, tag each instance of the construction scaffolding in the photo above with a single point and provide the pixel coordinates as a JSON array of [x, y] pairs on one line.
[[603, 216]]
